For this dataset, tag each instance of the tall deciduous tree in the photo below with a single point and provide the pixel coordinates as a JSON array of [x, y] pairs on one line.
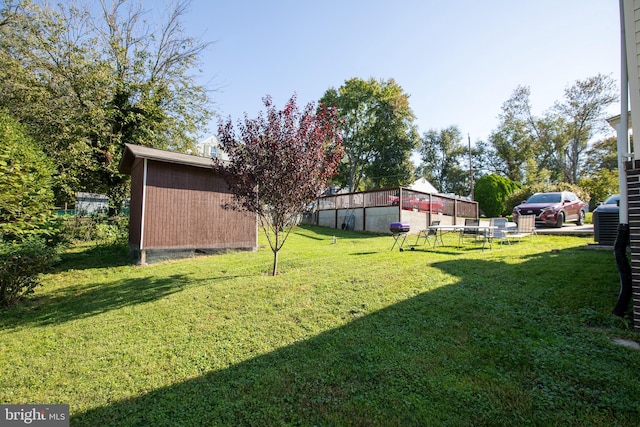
[[379, 133], [582, 110], [519, 147], [85, 83], [280, 163], [554, 144], [602, 154], [442, 152], [513, 142]]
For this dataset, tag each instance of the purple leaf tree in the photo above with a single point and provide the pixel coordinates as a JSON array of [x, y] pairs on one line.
[[279, 164]]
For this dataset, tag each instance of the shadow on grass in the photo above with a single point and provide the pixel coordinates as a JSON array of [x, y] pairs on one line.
[[94, 256], [471, 353], [83, 301], [330, 232], [308, 236]]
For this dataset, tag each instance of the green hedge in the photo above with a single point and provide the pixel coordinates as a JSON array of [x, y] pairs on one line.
[[491, 192]]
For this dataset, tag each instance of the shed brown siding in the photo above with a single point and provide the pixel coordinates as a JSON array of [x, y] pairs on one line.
[[135, 207], [183, 209]]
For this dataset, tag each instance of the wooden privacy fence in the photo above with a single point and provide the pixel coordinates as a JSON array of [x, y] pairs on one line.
[[375, 210]]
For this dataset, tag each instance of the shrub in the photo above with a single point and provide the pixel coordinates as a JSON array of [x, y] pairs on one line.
[[29, 229], [114, 230], [26, 198], [21, 263], [98, 228], [491, 192]]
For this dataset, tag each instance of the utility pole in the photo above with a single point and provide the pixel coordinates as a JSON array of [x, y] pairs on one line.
[[470, 166]]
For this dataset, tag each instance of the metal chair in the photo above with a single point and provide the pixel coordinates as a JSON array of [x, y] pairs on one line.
[[498, 230], [429, 233], [526, 227], [469, 232]]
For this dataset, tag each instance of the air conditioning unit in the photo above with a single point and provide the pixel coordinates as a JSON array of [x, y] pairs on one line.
[[605, 224]]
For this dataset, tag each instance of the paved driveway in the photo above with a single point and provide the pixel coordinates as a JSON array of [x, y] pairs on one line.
[[568, 229]]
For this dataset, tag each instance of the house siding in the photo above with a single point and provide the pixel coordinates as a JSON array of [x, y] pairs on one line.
[[632, 40], [632, 37], [633, 190]]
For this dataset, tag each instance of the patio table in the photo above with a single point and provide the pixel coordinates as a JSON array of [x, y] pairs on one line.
[[482, 230]]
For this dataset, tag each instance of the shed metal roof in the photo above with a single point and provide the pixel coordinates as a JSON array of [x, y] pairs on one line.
[[131, 152]]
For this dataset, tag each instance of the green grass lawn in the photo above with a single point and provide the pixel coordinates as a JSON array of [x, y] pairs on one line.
[[588, 218], [347, 334]]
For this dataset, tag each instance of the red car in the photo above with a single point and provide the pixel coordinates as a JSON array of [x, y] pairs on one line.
[[552, 208], [419, 204]]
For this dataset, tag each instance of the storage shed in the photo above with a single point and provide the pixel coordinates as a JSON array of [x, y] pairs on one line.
[[91, 204], [177, 208]]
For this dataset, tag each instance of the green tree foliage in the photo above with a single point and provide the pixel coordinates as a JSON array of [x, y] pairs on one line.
[[600, 185], [514, 141], [535, 173], [601, 155], [442, 152], [492, 192], [29, 230], [600, 178], [26, 199], [558, 140], [582, 113], [379, 133], [582, 110], [85, 83], [280, 163]]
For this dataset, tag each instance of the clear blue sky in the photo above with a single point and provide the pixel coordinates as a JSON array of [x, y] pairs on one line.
[[459, 60]]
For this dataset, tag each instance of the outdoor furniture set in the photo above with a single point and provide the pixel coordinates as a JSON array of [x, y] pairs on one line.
[[497, 230]]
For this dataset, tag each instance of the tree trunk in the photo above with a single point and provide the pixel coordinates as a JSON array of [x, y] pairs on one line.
[[275, 250], [275, 262]]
